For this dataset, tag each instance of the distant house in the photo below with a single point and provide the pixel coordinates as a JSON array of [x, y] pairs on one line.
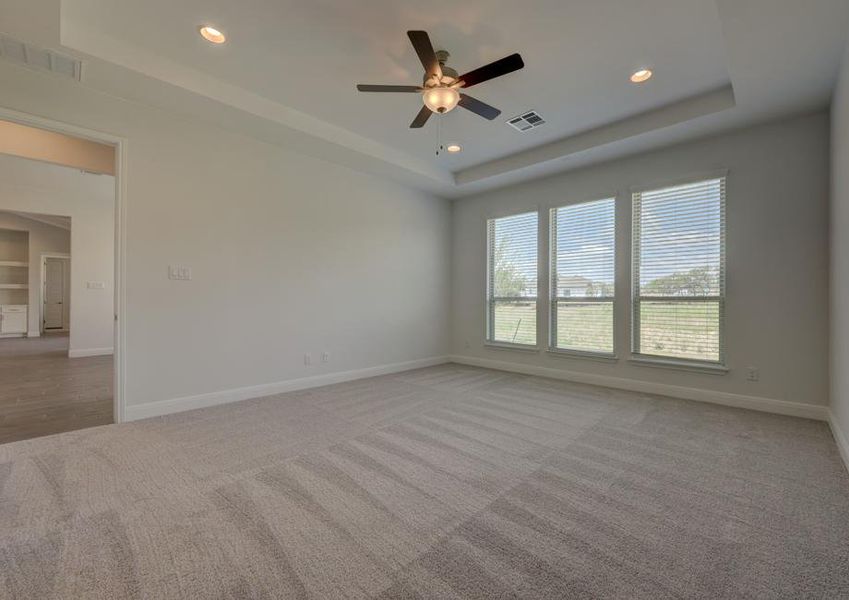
[[568, 287], [581, 287]]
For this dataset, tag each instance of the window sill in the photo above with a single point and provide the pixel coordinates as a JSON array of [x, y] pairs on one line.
[[682, 365], [582, 355], [508, 346]]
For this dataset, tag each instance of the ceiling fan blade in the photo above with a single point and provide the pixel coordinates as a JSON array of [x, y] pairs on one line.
[[421, 118], [388, 88], [421, 43], [508, 64], [479, 108]]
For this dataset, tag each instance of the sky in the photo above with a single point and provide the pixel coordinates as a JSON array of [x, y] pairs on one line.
[[680, 231]]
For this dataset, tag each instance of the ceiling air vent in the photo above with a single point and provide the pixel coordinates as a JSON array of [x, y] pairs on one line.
[[39, 58], [526, 121]]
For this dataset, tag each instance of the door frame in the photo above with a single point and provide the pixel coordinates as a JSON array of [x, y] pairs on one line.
[[42, 281], [120, 295]]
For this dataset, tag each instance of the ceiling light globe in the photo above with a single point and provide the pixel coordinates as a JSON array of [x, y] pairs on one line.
[[441, 99]]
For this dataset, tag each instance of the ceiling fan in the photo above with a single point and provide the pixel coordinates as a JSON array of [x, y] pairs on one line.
[[441, 85]]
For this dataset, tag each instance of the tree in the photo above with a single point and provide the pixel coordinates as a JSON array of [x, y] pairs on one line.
[[700, 281], [509, 282]]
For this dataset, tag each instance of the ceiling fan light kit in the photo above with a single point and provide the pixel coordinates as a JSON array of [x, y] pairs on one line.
[[441, 99], [441, 85]]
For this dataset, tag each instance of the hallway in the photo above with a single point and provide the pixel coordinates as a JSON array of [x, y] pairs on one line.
[[42, 391]]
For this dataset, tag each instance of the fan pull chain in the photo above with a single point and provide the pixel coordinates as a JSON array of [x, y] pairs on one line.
[[438, 133]]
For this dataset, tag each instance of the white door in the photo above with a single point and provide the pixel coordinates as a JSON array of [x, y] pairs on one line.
[[55, 283]]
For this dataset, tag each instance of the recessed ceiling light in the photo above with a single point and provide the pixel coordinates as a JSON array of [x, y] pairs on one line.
[[453, 148], [211, 34], [641, 76]]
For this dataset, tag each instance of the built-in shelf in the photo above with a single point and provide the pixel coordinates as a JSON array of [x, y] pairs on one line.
[[14, 267]]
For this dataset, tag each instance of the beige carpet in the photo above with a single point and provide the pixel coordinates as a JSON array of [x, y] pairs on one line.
[[448, 482]]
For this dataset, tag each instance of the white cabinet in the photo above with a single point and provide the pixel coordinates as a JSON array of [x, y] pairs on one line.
[[13, 319]]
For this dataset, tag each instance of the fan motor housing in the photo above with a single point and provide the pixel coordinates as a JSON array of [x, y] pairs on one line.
[[449, 75]]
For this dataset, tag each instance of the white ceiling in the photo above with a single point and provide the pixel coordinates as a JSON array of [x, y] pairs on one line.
[[310, 54], [293, 65]]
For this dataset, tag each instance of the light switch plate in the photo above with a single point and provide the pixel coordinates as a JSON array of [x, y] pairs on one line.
[[95, 285], [180, 273]]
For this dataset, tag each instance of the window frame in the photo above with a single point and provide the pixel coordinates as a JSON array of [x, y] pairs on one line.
[[552, 286], [661, 360], [490, 300]]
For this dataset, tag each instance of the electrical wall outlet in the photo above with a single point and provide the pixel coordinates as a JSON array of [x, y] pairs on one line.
[[325, 357], [752, 374], [307, 360]]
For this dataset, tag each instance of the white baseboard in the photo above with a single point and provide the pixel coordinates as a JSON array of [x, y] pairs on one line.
[[840, 437], [165, 407], [83, 352], [33, 334], [782, 407]]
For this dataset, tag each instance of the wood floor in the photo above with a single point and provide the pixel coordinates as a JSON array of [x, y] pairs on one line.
[[42, 391]]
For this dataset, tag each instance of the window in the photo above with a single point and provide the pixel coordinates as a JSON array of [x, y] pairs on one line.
[[679, 272], [583, 242], [512, 280]]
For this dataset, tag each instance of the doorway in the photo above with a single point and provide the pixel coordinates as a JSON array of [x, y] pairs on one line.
[[55, 293], [64, 372]]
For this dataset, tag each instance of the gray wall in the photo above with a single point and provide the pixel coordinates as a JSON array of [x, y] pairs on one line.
[[840, 254], [777, 248], [289, 254], [42, 188]]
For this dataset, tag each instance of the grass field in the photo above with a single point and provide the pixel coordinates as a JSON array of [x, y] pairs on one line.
[[516, 322], [585, 327], [688, 330], [680, 329]]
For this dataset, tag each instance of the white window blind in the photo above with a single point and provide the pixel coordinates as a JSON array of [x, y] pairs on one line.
[[679, 272], [512, 279], [583, 247]]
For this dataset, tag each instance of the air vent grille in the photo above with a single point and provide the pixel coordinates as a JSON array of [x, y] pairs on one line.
[[39, 58], [526, 121]]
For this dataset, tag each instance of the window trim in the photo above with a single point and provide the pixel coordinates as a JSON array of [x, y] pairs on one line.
[[553, 299], [682, 364], [489, 324], [659, 360], [511, 346], [583, 354], [693, 177]]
